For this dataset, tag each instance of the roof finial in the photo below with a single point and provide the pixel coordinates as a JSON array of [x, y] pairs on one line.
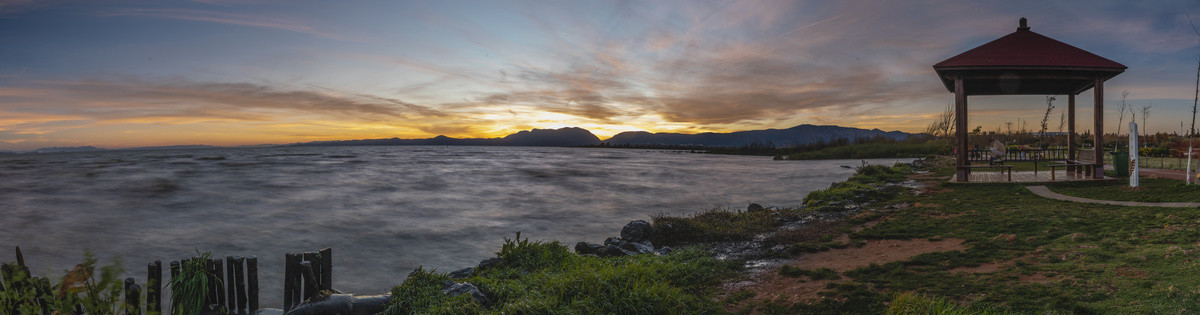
[[1024, 25]]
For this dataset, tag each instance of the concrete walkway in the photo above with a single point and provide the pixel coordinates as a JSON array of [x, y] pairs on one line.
[[1045, 192]]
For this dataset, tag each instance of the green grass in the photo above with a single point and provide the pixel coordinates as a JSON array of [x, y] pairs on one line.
[[189, 290], [1063, 257], [913, 303], [24, 293], [546, 278], [872, 150], [1148, 190]]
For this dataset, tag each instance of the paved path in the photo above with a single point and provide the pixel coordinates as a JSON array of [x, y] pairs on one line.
[[1045, 192]]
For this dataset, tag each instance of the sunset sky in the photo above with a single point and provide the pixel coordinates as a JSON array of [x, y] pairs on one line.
[[233, 72]]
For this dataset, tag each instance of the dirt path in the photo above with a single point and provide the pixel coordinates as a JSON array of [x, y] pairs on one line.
[[1163, 173]]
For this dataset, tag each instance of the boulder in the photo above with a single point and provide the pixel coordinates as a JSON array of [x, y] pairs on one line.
[[637, 231], [754, 207], [455, 289], [628, 247], [462, 273], [488, 263], [584, 248]]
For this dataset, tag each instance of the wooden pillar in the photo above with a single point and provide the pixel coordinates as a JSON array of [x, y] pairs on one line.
[[1098, 135], [960, 129], [1071, 131]]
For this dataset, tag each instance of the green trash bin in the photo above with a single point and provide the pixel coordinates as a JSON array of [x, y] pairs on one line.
[[1121, 163]]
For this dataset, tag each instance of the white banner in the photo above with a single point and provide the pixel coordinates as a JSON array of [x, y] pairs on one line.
[[1133, 155]]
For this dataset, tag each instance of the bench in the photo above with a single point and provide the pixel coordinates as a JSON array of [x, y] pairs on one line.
[[1086, 160], [999, 166]]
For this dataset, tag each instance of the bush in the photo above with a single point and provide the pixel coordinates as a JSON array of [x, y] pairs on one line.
[[709, 226], [26, 294], [546, 278]]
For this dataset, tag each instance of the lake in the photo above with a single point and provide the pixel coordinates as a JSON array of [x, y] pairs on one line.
[[384, 210]]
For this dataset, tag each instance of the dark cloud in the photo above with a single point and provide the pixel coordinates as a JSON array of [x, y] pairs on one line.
[[112, 100]]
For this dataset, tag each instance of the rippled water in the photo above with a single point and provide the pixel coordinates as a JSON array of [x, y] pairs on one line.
[[383, 210]]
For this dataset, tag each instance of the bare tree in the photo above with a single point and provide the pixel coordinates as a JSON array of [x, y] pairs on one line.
[[1196, 95], [1145, 115], [1122, 108], [1046, 117], [943, 125]]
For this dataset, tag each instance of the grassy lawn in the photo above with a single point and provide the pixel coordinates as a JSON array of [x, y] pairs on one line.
[[1148, 190], [1027, 254]]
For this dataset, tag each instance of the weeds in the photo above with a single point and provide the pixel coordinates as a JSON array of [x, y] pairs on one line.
[[23, 293], [189, 290]]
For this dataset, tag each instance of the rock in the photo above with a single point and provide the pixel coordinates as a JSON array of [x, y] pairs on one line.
[[462, 273], [664, 250], [488, 263], [627, 247], [455, 289], [754, 207], [637, 231], [585, 248]]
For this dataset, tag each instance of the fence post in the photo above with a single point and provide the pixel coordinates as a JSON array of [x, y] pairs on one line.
[[231, 304], [290, 273], [326, 275], [239, 282], [252, 283], [154, 288], [132, 296]]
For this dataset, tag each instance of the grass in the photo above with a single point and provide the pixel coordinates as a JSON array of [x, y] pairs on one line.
[[545, 277], [818, 274], [1046, 256], [1148, 190], [23, 293], [871, 150], [189, 290]]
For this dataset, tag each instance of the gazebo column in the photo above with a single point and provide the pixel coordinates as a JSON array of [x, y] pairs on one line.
[[1098, 135], [1071, 131], [960, 129]]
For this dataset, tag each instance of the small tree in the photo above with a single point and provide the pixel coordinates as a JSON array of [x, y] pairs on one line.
[[1145, 115], [1121, 111], [1046, 116]]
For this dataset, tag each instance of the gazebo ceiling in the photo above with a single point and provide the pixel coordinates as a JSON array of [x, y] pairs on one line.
[[1025, 62]]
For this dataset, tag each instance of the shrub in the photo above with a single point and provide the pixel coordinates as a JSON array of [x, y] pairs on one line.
[[26, 294], [189, 290]]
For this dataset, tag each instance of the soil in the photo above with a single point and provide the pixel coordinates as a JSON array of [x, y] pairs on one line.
[[772, 286]]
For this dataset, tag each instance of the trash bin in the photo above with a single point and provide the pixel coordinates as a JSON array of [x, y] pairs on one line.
[[1121, 163]]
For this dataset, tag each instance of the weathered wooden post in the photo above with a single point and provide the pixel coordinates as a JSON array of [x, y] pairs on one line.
[[231, 304], [326, 269], [252, 283], [310, 280], [154, 288], [290, 276], [133, 294], [239, 282]]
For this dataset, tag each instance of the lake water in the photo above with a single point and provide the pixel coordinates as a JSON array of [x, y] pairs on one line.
[[383, 210]]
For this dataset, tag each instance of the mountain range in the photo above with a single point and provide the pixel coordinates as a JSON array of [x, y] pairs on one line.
[[578, 137]]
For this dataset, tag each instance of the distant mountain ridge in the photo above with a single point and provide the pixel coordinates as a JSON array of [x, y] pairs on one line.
[[798, 135], [579, 137], [562, 137]]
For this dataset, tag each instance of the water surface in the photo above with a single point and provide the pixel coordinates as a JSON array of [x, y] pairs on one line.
[[383, 210]]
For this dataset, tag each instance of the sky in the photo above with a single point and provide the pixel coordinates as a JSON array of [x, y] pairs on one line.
[[120, 74]]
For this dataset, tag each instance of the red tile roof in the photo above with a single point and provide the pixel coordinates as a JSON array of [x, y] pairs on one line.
[[1026, 49]]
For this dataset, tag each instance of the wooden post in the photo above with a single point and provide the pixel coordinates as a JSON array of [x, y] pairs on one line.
[[174, 269], [960, 126], [239, 282], [326, 269], [291, 275], [309, 275], [133, 294], [231, 304], [252, 283], [1098, 137], [154, 288], [215, 293], [1071, 133]]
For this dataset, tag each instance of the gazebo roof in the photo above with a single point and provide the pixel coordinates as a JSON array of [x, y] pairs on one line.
[[1025, 62]]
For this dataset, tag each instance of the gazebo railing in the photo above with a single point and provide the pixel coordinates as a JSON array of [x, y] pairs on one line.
[[985, 155]]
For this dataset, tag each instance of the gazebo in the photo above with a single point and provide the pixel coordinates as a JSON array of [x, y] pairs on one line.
[[1027, 63]]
